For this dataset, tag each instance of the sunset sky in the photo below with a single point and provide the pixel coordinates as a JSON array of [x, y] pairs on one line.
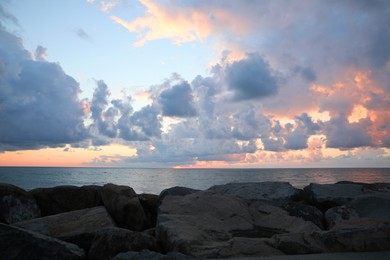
[[208, 83]]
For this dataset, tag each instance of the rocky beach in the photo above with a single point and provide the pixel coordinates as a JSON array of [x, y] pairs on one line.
[[234, 220]]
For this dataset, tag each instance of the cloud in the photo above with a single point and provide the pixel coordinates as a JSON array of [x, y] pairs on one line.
[[180, 21], [6, 16], [83, 34], [177, 101], [40, 53], [39, 104], [341, 134], [251, 78]]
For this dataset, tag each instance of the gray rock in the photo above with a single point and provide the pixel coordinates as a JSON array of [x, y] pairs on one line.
[[175, 191], [259, 190], [112, 241], [375, 206], [327, 196], [150, 255], [237, 247], [201, 221], [124, 206], [17, 243], [306, 212], [62, 199], [78, 227], [16, 204], [345, 239]]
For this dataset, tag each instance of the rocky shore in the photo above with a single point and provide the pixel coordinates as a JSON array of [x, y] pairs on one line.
[[225, 221]]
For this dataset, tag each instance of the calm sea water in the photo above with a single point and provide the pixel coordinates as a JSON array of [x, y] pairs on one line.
[[156, 180]]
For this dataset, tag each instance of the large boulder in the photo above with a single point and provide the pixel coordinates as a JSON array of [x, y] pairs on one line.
[[78, 227], [17, 243], [196, 223], [124, 206], [61, 199], [259, 190], [111, 241], [16, 204], [175, 191], [326, 196], [344, 239], [376, 206]]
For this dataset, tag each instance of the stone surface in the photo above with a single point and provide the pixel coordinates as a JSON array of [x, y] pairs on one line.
[[124, 206], [362, 239], [306, 212], [17, 243], [236, 247], [193, 223], [150, 255], [259, 190], [175, 191], [327, 196], [61, 199], [78, 227], [376, 206], [149, 203], [112, 241], [16, 204]]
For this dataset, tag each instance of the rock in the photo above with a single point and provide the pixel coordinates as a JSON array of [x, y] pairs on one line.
[[363, 239], [66, 198], [149, 203], [376, 206], [17, 243], [175, 191], [16, 204], [259, 190], [124, 206], [78, 227], [150, 255], [236, 247], [111, 241], [195, 223], [326, 196], [306, 212]]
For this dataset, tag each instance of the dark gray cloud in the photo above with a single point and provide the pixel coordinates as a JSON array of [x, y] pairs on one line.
[[177, 101], [342, 134], [39, 103], [251, 78]]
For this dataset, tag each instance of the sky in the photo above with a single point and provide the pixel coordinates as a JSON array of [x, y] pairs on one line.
[[207, 83]]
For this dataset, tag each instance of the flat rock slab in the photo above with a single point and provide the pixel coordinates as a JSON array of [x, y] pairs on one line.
[[70, 223], [259, 190], [16, 204], [17, 243], [201, 224]]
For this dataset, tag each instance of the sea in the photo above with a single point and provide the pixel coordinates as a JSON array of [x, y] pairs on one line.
[[155, 180]]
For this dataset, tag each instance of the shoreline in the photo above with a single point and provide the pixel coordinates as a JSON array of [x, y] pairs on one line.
[[234, 220]]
